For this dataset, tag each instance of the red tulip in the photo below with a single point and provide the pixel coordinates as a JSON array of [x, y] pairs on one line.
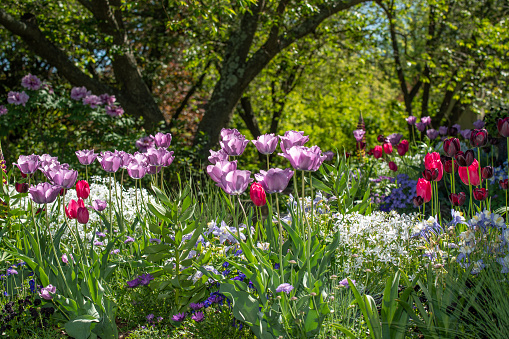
[[377, 152], [503, 127], [473, 173], [448, 166], [487, 172], [465, 159], [423, 189], [393, 166], [72, 209], [21, 187], [403, 147], [480, 193], [430, 175], [257, 194], [388, 148], [432, 161], [82, 189], [457, 199], [504, 184], [479, 137], [82, 215], [451, 147]]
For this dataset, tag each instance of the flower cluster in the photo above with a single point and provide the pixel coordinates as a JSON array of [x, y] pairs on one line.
[[401, 197]]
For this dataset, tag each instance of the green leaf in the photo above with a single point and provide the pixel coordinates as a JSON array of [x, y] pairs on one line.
[[81, 327]]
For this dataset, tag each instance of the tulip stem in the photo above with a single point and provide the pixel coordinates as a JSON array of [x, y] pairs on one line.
[[479, 160], [86, 171], [470, 207], [162, 171], [122, 194], [280, 241], [302, 201], [268, 160], [296, 197], [452, 175], [245, 216], [110, 230], [309, 226]]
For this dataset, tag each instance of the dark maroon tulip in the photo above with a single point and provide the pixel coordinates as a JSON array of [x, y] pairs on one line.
[[448, 166], [504, 184], [479, 137], [82, 215], [452, 131], [465, 159], [457, 199], [418, 201], [503, 127], [403, 147], [493, 141], [361, 145], [487, 172], [480, 193], [451, 147], [430, 174], [381, 138], [393, 167], [21, 187]]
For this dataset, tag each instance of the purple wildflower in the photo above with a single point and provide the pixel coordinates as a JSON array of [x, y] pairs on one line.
[[179, 317], [285, 287], [198, 317]]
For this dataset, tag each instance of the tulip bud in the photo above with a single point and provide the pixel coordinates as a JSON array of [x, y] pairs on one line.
[[418, 201], [82, 215], [257, 194], [430, 174], [465, 159], [457, 199], [82, 189], [380, 138], [480, 193], [448, 166], [487, 172], [504, 184], [71, 210], [503, 127], [21, 187], [393, 167]]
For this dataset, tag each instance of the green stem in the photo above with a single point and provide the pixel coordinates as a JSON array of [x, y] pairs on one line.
[[110, 230], [280, 242], [296, 197]]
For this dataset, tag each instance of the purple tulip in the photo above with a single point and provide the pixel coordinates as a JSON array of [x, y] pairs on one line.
[[233, 142], [110, 161], [17, 98], [47, 159], [44, 193], [394, 138], [304, 158], [64, 178], [478, 124], [3, 110], [235, 182], [217, 156], [28, 164], [458, 127], [31, 82], [466, 133], [420, 126], [217, 171], [136, 170], [426, 120], [86, 157], [114, 111], [411, 120], [358, 134], [159, 157], [153, 169], [126, 158], [292, 138], [162, 140], [432, 133], [99, 205], [140, 158], [442, 130], [78, 93], [92, 100], [266, 144], [46, 292], [144, 143], [274, 180]]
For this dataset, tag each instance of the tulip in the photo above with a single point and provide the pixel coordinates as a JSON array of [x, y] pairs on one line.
[[479, 138], [423, 189], [465, 159], [457, 199], [153, 169], [448, 166], [235, 182], [392, 166], [137, 170], [140, 158], [504, 184], [233, 142], [487, 172], [394, 138], [28, 164], [21, 187], [292, 138], [86, 157], [257, 194], [411, 120], [275, 180], [99, 205], [426, 120], [432, 134], [110, 161], [478, 124], [82, 215], [503, 127], [159, 156], [358, 134], [466, 133], [125, 157], [71, 210], [473, 173], [452, 131], [44, 193], [217, 171], [403, 147], [82, 189], [387, 148], [451, 147], [430, 175], [420, 126], [442, 130], [418, 201], [378, 152], [162, 140], [143, 144], [432, 161], [64, 177], [46, 292], [266, 144], [480, 193], [217, 156], [381, 138], [329, 155], [304, 158]]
